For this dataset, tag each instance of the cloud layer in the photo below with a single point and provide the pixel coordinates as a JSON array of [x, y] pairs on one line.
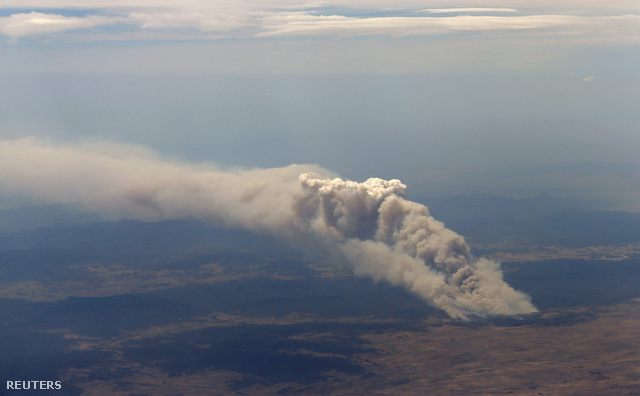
[[305, 24], [371, 225], [33, 23], [247, 19]]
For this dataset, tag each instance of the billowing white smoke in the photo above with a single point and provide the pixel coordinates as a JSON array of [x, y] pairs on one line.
[[371, 225], [386, 237]]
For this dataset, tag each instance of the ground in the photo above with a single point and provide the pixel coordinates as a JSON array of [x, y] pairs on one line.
[[218, 319]]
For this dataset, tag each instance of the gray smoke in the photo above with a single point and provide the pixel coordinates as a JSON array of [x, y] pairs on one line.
[[370, 225]]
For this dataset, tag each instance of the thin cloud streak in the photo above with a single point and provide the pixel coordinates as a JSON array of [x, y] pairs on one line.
[[305, 24], [200, 21], [460, 10], [20, 25]]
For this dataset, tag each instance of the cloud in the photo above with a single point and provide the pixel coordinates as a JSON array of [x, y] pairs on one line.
[[370, 226], [465, 10], [20, 25], [201, 21], [298, 24], [247, 19]]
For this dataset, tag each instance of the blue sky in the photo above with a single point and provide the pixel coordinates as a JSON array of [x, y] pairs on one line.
[[512, 97]]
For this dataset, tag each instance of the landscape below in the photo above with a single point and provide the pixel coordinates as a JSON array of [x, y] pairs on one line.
[[179, 307]]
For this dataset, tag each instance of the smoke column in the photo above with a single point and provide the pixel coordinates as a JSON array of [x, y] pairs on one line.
[[371, 225]]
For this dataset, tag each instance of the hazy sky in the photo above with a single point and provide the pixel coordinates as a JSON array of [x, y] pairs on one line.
[[510, 97]]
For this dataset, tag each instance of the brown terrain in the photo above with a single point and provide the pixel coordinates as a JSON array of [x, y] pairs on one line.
[[599, 354], [288, 340]]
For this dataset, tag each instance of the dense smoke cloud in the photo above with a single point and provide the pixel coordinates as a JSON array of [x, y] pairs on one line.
[[386, 237], [370, 225]]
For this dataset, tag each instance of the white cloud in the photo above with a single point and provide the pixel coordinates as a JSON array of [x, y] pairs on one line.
[[306, 24], [465, 10], [167, 19], [591, 7], [529, 35], [19, 25], [201, 21]]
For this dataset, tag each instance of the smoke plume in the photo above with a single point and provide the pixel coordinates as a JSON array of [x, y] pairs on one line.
[[371, 225]]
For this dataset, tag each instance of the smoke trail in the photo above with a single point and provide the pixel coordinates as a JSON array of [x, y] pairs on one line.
[[386, 237], [371, 225]]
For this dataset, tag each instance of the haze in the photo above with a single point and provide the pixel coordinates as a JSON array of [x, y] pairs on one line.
[[521, 100]]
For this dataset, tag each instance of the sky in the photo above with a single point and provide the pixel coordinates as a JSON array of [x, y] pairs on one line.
[[515, 98]]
